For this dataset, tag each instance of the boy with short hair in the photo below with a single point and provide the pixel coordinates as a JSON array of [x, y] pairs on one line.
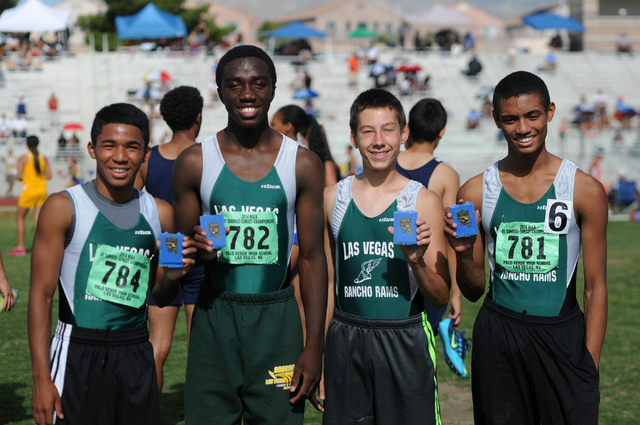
[[247, 358], [97, 242], [181, 109], [427, 126], [380, 352], [535, 355]]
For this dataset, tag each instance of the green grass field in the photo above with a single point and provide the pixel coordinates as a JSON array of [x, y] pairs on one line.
[[619, 371]]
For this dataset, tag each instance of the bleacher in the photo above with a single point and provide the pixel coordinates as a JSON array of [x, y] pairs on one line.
[[85, 82]]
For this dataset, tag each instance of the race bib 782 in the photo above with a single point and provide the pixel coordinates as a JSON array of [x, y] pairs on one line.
[[252, 238]]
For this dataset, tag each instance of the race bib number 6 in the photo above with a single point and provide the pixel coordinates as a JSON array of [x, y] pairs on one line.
[[119, 276], [558, 216], [252, 238]]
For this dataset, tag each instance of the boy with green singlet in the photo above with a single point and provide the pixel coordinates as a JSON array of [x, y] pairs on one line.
[[380, 348], [97, 242], [535, 354]]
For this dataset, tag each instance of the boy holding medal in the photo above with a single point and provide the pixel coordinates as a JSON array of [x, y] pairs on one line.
[[247, 359], [97, 242], [535, 355], [380, 348]]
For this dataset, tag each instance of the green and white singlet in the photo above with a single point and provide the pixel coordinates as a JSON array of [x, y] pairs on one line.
[[260, 216], [126, 259], [373, 279], [533, 248]]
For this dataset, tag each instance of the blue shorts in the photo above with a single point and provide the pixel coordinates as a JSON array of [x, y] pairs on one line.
[[188, 290], [434, 315]]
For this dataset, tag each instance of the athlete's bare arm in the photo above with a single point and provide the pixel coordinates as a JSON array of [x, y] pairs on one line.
[[330, 254], [21, 163], [313, 271], [590, 202], [470, 274], [46, 261], [187, 172], [446, 183], [47, 169], [330, 251], [428, 259], [141, 177]]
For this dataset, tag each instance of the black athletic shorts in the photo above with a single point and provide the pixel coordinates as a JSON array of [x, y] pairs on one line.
[[105, 377], [380, 371], [530, 370]]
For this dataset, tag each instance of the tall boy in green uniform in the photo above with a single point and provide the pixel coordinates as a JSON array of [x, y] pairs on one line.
[[380, 350], [97, 243], [535, 355], [246, 356]]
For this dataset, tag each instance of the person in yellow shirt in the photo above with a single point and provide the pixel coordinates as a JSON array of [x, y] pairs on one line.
[[33, 171]]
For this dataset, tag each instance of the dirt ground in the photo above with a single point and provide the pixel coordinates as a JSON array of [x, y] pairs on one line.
[[455, 404]]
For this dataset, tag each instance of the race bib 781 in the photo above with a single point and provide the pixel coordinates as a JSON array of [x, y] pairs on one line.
[[525, 247]]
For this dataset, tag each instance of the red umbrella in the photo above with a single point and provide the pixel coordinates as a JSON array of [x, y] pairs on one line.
[[409, 67], [157, 76], [73, 126]]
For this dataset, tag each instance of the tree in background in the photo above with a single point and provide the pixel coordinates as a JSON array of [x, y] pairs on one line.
[[7, 4]]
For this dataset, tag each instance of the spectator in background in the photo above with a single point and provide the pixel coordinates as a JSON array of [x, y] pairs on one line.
[[624, 45], [298, 79], [473, 119], [10, 171], [624, 113], [600, 104], [52, 105], [469, 41], [624, 192], [417, 41], [402, 33], [473, 68], [19, 126], [551, 60], [372, 54], [21, 104], [585, 112], [354, 65], [5, 127], [62, 147], [556, 42]]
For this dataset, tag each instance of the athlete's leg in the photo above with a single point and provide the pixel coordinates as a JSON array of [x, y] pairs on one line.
[[36, 214], [162, 322], [188, 312], [20, 215]]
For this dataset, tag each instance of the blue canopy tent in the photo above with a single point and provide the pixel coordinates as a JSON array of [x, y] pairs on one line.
[[548, 20], [296, 30], [293, 30], [150, 23]]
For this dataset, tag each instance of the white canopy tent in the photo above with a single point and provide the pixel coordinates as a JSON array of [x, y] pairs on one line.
[[34, 16]]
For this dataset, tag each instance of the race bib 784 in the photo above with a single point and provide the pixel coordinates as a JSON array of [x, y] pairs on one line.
[[119, 276]]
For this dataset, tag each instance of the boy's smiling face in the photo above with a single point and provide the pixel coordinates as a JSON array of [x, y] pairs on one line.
[[379, 138]]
